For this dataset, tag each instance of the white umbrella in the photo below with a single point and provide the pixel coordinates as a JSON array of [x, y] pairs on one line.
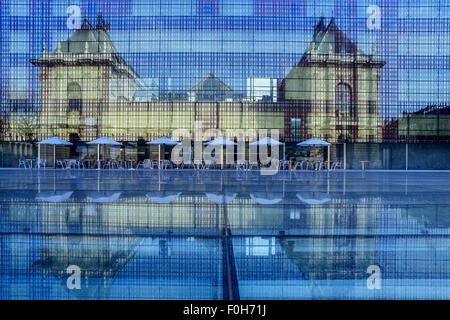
[[52, 141], [163, 197], [103, 141], [314, 142], [266, 199], [221, 141], [53, 197], [270, 142], [163, 141]]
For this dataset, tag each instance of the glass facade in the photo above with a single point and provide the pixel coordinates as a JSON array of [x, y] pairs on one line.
[[371, 77], [223, 234]]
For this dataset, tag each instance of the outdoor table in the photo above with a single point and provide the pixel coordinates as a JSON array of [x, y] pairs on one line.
[[91, 162], [363, 163], [87, 163], [67, 162], [129, 163]]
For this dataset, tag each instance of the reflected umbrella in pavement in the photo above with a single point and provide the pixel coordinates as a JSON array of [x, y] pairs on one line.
[[103, 141], [54, 197], [266, 198], [101, 197], [163, 141], [219, 198], [163, 197], [55, 141], [306, 200]]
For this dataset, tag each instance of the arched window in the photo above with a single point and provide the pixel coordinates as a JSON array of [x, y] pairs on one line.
[[343, 97], [74, 96]]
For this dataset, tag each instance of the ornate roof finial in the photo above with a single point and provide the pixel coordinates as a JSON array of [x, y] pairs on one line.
[[101, 24], [320, 26]]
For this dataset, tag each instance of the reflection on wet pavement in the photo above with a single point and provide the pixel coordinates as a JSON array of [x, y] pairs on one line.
[[223, 235]]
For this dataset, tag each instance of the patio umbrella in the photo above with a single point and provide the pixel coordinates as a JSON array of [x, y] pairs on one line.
[[51, 141], [220, 141], [103, 141], [314, 142], [270, 142], [163, 197], [164, 141], [269, 198]]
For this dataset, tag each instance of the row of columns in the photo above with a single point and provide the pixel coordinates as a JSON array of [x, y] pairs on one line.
[[21, 149]]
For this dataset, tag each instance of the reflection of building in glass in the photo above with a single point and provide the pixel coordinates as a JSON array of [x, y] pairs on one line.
[[80, 77], [339, 83], [333, 87], [110, 101], [428, 124], [212, 88], [262, 89]]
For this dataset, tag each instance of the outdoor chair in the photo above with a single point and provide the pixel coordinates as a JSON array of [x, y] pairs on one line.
[[298, 165], [41, 163], [108, 164], [86, 163], [177, 164], [336, 165], [97, 164], [241, 165], [60, 163], [198, 164], [166, 164], [253, 165], [275, 163], [320, 165], [73, 164], [186, 164], [80, 164], [309, 165], [23, 163], [154, 164], [208, 164], [145, 164], [285, 164]]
